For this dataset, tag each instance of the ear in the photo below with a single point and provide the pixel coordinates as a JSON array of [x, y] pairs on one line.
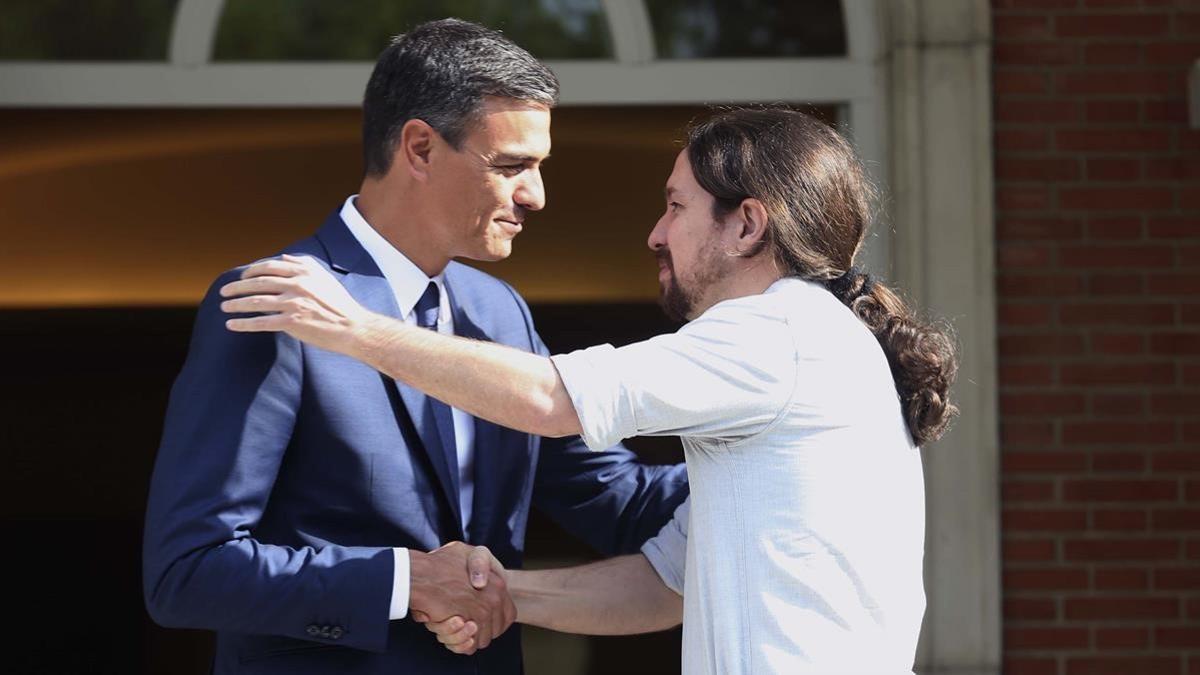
[[751, 220], [415, 147]]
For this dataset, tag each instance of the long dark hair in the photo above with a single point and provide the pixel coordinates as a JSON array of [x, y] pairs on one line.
[[818, 200]]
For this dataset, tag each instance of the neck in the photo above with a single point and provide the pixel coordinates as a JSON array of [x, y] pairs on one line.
[[750, 277], [393, 212]]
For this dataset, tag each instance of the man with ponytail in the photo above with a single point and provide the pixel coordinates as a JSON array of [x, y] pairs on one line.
[[801, 387]]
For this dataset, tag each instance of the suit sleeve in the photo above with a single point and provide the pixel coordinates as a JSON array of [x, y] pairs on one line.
[[608, 499], [228, 425]]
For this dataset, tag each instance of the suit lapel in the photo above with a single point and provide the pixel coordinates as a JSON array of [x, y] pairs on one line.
[[490, 460], [362, 278]]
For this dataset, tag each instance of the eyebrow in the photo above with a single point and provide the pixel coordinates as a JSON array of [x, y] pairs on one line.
[[669, 192], [504, 157]]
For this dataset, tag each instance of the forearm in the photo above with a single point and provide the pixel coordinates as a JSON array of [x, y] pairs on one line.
[[507, 386], [619, 596]]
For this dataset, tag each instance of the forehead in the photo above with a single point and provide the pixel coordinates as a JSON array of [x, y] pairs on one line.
[[682, 181], [508, 126]]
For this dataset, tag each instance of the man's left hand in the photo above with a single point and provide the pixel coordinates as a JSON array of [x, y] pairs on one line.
[[294, 294]]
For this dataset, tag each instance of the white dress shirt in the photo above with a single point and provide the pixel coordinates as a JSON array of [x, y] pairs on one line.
[[408, 283], [800, 548]]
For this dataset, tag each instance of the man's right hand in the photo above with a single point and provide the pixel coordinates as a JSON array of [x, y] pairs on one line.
[[458, 633], [461, 584]]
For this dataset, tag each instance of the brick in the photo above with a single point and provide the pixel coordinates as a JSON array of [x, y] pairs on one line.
[[1018, 140], [1173, 168], [1109, 462], [1119, 521], [1027, 374], [1116, 257], [1193, 613], [1110, 83], [1171, 53], [1175, 344], [1122, 638], [1189, 313], [1170, 111], [1169, 461], [1111, 285], [1088, 374], [1013, 491], [1113, 405], [1027, 433], [1121, 608], [1124, 665], [1035, 54], [1027, 550], [1120, 579], [1032, 609], [1113, 490], [1029, 665], [1189, 256], [1177, 578], [1191, 376], [1187, 24], [1121, 227], [1192, 494], [1043, 404], [1045, 637], [1043, 520], [1024, 111], [1175, 403], [1118, 344], [1113, 169], [1045, 579], [1018, 255], [1169, 283], [1022, 198], [1123, 199], [1112, 54], [1107, 111], [1016, 346], [1020, 82], [1105, 550], [1123, 432], [1121, 139], [1176, 637], [1174, 227], [1042, 461], [1038, 285], [1022, 314], [1110, 25], [1038, 170], [1035, 228], [1176, 520], [1021, 27], [1110, 314]]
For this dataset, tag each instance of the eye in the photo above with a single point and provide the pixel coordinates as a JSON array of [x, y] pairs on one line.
[[510, 169], [674, 206]]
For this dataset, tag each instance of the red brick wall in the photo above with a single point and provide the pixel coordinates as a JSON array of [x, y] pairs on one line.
[[1098, 252]]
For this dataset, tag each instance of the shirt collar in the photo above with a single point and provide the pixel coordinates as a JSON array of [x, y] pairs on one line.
[[407, 280]]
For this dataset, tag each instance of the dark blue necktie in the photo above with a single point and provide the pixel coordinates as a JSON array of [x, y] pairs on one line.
[[427, 317]]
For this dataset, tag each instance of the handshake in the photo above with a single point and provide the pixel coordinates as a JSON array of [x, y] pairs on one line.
[[460, 592]]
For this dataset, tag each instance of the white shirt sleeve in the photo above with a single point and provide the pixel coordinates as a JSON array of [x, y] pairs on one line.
[[400, 585], [726, 375], [667, 550]]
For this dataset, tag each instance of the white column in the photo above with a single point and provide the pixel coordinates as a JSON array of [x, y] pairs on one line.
[[941, 182]]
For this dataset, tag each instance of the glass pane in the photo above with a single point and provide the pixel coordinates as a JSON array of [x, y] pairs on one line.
[[85, 30], [698, 29], [319, 30]]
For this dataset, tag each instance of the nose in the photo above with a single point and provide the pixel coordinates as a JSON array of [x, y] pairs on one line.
[[658, 235], [531, 192]]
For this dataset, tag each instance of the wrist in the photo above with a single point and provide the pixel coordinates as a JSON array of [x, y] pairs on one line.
[[418, 565]]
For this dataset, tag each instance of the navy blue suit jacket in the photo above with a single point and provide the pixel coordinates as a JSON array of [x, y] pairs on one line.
[[287, 473]]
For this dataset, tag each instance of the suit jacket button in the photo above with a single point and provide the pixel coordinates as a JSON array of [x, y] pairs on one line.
[[336, 632], [325, 631], [312, 630]]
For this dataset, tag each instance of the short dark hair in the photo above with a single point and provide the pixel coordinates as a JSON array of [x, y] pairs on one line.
[[440, 72]]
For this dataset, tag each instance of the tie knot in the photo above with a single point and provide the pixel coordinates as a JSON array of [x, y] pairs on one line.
[[427, 307]]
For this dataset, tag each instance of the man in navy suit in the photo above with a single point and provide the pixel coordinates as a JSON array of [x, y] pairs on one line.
[[299, 498]]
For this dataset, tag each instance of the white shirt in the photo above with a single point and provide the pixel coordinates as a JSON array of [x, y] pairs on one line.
[[408, 284], [800, 548]]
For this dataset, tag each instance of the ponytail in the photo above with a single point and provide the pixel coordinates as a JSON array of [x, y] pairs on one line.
[[920, 354]]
